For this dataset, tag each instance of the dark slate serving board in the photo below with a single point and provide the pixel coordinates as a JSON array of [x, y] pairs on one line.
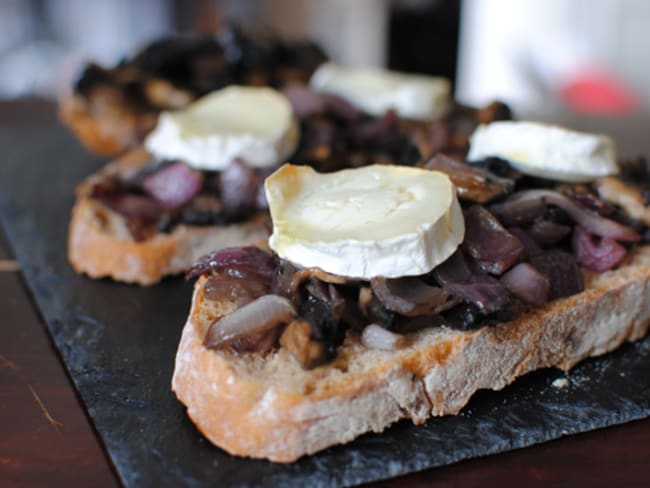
[[118, 343]]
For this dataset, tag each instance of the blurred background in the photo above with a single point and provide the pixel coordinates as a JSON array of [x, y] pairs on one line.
[[578, 56]]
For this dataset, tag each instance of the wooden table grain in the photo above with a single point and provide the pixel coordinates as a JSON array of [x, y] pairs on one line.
[[46, 438]]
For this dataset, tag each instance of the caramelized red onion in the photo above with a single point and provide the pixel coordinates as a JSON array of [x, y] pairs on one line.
[[341, 108], [260, 315], [525, 206], [530, 245], [304, 101], [408, 296], [238, 188], [596, 253], [143, 215], [376, 337], [527, 284], [376, 131], [298, 339], [454, 268], [130, 206], [258, 342], [173, 185], [517, 211], [485, 292], [547, 232], [237, 290], [493, 248], [316, 273], [247, 262], [562, 271]]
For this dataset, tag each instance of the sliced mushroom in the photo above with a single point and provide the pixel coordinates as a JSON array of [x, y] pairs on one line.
[[318, 273]]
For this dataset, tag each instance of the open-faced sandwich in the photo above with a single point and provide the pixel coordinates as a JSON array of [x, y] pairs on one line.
[[196, 186], [111, 110], [393, 292]]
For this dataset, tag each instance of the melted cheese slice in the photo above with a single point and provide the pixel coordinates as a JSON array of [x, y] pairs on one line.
[[375, 91], [361, 223], [546, 151], [254, 124]]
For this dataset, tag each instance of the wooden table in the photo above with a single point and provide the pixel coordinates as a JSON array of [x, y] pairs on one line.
[[46, 439]]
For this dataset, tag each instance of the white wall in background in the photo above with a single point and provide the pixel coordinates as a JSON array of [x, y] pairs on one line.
[[519, 50]]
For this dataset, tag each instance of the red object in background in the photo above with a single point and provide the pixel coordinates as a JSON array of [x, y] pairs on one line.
[[598, 93]]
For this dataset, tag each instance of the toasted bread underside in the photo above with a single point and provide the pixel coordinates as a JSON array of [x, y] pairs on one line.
[[100, 244], [269, 407]]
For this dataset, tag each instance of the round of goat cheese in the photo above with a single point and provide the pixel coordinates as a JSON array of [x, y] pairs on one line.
[[362, 223], [375, 91], [252, 123], [546, 151]]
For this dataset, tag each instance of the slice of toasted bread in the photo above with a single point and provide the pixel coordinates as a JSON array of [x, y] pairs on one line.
[[108, 129], [100, 244], [269, 407]]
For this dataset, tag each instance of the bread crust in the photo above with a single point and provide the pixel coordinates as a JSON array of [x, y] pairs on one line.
[[100, 245], [110, 133], [268, 407]]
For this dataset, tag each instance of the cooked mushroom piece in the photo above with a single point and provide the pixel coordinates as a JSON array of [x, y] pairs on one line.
[[408, 296], [298, 340]]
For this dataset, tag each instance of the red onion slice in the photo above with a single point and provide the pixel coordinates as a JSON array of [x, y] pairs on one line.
[[514, 209], [528, 284], [173, 185], [488, 243], [484, 291], [259, 315], [596, 254], [472, 183], [376, 337]]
